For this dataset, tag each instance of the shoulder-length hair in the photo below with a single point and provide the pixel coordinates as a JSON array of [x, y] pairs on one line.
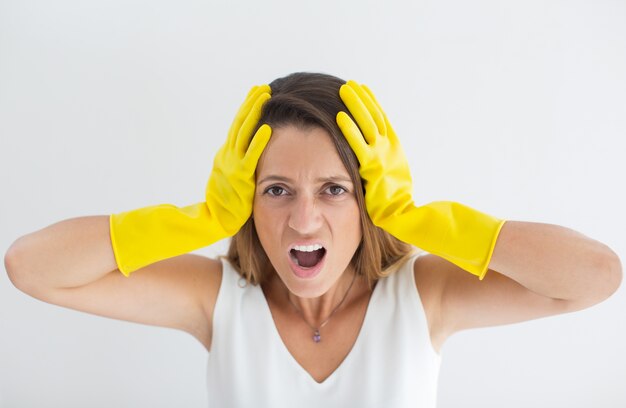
[[308, 100]]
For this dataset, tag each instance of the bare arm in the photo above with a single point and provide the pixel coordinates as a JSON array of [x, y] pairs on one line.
[[71, 264], [557, 262], [536, 270], [66, 254]]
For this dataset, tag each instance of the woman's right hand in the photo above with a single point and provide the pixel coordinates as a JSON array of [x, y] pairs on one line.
[[146, 235], [231, 186]]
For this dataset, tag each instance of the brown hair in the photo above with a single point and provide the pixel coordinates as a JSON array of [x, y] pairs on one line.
[[309, 100]]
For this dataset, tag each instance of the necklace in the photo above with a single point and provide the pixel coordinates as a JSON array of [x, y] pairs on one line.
[[316, 330]]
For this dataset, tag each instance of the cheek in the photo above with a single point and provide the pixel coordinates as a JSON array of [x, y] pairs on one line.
[[348, 223], [356, 224], [267, 224]]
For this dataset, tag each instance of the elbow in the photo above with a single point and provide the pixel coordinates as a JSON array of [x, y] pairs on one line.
[[606, 277], [614, 272], [14, 264], [10, 263]]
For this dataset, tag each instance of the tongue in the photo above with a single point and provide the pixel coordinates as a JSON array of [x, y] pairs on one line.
[[308, 259]]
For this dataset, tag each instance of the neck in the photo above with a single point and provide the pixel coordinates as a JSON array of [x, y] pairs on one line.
[[318, 309]]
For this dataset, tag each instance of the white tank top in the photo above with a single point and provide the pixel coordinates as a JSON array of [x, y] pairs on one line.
[[392, 362]]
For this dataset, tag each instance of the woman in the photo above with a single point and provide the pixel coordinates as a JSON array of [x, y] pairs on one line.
[[321, 298]]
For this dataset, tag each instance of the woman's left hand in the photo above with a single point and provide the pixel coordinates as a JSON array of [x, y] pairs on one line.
[[458, 233], [383, 165]]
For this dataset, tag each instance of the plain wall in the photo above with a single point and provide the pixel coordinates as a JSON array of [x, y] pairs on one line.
[[514, 108]]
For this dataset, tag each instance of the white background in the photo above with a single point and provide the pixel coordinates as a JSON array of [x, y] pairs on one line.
[[516, 108]]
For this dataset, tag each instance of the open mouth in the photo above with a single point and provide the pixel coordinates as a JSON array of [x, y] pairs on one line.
[[307, 256]]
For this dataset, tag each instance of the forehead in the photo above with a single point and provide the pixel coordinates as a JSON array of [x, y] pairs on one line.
[[296, 152]]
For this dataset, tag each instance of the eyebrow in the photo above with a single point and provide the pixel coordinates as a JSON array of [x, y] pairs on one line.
[[332, 179]]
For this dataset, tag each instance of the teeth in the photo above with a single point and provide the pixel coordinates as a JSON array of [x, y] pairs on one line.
[[307, 248]]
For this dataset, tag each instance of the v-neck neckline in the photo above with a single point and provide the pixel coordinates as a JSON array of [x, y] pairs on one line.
[[292, 360]]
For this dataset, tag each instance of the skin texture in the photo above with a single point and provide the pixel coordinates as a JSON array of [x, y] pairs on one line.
[[304, 195]]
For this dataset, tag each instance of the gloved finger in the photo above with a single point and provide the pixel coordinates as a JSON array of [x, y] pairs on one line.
[[372, 106], [372, 96], [353, 135], [249, 124], [358, 109], [390, 132], [257, 145], [243, 112]]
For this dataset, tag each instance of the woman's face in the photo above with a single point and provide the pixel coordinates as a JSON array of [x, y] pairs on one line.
[[305, 210]]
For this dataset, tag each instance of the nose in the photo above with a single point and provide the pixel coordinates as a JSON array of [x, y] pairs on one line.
[[305, 216]]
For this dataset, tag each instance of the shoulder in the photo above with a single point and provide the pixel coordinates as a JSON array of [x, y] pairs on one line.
[[204, 278], [430, 273], [211, 279], [427, 281]]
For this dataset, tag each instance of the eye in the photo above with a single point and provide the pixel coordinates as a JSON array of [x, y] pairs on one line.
[[336, 190], [275, 191]]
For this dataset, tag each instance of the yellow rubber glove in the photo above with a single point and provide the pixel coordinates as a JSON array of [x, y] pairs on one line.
[[146, 235], [453, 231]]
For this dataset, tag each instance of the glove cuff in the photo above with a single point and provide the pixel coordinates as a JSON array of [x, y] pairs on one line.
[[146, 235], [458, 233]]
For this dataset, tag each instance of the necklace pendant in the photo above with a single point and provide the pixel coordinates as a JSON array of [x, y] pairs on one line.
[[316, 336]]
